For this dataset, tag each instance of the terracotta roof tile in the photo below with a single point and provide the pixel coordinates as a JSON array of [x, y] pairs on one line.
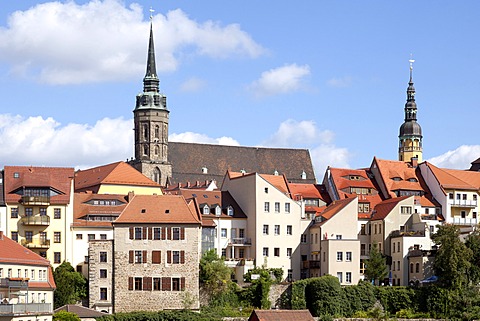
[[82, 208], [456, 179], [119, 173], [384, 208], [80, 311], [57, 178], [280, 182], [280, 315], [159, 209], [397, 169], [222, 198], [334, 208]]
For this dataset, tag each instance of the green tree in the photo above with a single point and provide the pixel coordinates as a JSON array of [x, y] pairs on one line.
[[65, 316], [71, 285], [375, 265], [214, 274], [473, 243], [325, 297], [452, 261]]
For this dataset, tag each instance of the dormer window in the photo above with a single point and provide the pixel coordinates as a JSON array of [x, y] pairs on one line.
[[413, 180], [204, 170], [16, 175], [275, 173], [230, 211], [397, 179], [304, 175], [218, 210], [206, 210]]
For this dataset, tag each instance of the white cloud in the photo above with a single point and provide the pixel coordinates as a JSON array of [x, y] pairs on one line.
[[193, 85], [282, 80], [68, 43], [189, 137], [38, 141], [305, 134], [341, 82], [459, 158]]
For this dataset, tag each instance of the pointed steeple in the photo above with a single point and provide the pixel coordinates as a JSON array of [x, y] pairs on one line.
[[151, 81], [410, 137]]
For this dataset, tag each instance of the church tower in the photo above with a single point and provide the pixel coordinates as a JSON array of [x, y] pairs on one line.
[[151, 125], [410, 137]]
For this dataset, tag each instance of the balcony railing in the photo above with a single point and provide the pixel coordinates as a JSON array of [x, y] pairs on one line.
[[36, 200], [397, 233], [36, 243], [462, 203], [240, 241], [36, 220], [239, 262], [25, 308], [465, 221], [314, 265]]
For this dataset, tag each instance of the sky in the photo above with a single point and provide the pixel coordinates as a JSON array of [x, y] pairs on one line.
[[328, 76]]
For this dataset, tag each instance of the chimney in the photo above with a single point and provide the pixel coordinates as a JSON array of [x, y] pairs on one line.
[[131, 194], [414, 161], [1, 235]]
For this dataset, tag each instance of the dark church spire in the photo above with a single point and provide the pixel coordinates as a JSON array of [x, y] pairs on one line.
[[151, 81]]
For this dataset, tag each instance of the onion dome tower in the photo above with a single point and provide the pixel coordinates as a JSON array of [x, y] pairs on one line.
[[151, 125], [410, 137]]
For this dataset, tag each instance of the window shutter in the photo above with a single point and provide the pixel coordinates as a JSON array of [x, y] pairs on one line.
[[130, 256], [182, 257], [130, 233], [169, 256], [182, 283], [144, 256], [156, 257], [145, 232], [147, 283], [164, 236], [166, 284], [130, 283], [169, 235], [150, 233], [182, 233]]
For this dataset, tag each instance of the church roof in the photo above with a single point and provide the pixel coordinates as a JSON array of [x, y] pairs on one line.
[[188, 159]]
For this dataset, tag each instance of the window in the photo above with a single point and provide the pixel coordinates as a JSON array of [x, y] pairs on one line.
[[241, 253], [103, 257], [265, 229], [393, 248], [289, 230], [289, 275], [218, 211], [277, 207], [79, 236], [277, 230], [57, 213], [417, 268], [241, 233], [57, 258], [287, 207], [103, 236], [411, 267], [91, 237], [28, 211], [474, 215], [14, 236], [348, 277], [464, 197], [398, 265], [14, 212], [29, 236], [43, 211], [393, 266], [405, 209], [265, 251], [103, 273], [138, 284], [157, 233], [458, 196], [206, 210], [176, 257], [303, 238], [138, 233], [463, 214], [338, 237], [348, 256], [340, 277], [175, 284], [289, 251], [85, 259], [175, 233], [266, 207], [339, 256], [157, 284], [138, 257], [223, 233], [230, 211], [156, 257], [103, 294], [57, 236], [266, 190], [363, 249], [362, 230], [450, 196], [276, 251], [224, 253]]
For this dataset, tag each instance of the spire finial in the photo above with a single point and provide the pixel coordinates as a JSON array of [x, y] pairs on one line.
[[411, 61], [151, 13]]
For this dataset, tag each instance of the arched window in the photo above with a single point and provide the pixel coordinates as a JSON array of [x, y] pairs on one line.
[[145, 149], [145, 132], [157, 131], [218, 210], [230, 211], [417, 268], [157, 175], [206, 209], [157, 150], [411, 267]]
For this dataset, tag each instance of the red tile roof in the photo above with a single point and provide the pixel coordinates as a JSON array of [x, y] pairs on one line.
[[119, 173], [82, 208], [280, 315], [56, 178], [333, 209], [390, 170], [384, 208], [80, 311], [456, 179], [159, 209], [13, 253]]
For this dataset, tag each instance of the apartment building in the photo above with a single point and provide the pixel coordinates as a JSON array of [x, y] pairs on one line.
[[39, 209], [26, 283]]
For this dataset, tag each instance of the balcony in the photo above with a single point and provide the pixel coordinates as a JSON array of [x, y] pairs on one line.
[[239, 262], [398, 233], [36, 220], [241, 241], [462, 203], [25, 308], [465, 221], [314, 264], [36, 200], [36, 243]]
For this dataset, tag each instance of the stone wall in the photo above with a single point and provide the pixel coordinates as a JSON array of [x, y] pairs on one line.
[[277, 291], [94, 280]]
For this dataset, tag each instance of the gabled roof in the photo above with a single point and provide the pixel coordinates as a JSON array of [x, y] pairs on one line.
[[211, 198], [383, 209], [83, 207], [280, 315], [396, 174], [119, 173], [57, 178], [280, 182], [188, 159], [333, 209], [80, 311], [159, 209], [308, 191]]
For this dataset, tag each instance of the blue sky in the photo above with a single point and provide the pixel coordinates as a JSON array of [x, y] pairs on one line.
[[330, 76]]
